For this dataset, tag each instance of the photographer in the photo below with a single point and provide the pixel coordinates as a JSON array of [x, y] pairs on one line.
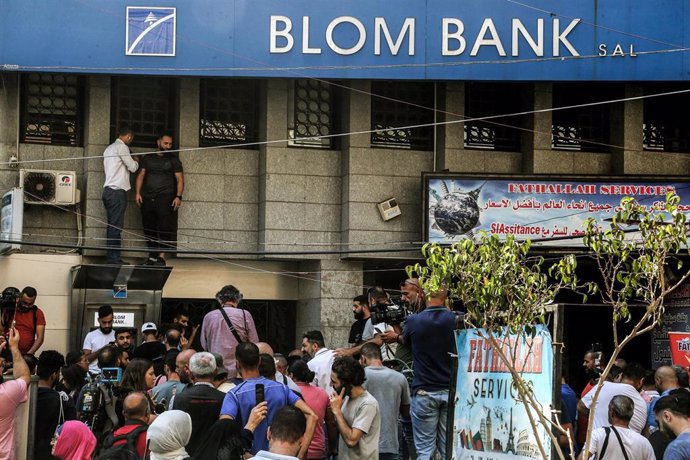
[[430, 333], [25, 316], [382, 314]]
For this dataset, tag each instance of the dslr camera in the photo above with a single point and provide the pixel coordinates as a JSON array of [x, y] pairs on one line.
[[392, 313], [8, 298]]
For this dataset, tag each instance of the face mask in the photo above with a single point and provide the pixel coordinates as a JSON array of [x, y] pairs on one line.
[[359, 314]]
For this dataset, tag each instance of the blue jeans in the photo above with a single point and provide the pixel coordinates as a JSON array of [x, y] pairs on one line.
[[429, 417], [115, 202]]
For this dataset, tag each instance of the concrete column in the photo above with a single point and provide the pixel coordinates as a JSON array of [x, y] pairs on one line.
[[325, 304]]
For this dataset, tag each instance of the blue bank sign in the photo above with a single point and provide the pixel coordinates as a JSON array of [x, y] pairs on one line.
[[615, 40]]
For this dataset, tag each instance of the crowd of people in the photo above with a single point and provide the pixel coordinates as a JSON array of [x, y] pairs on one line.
[[640, 414], [232, 396]]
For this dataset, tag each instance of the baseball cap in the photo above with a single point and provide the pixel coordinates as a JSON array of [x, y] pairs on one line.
[[148, 327]]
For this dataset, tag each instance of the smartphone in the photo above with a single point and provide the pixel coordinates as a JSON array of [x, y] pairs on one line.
[[348, 390], [259, 389]]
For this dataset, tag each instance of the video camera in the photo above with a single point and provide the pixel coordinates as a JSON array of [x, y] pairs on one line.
[[391, 313], [9, 297]]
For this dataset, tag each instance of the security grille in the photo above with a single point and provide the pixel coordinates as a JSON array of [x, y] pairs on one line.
[[666, 123], [145, 104], [397, 105], [52, 109], [274, 319], [311, 114], [582, 128], [228, 112], [489, 99]]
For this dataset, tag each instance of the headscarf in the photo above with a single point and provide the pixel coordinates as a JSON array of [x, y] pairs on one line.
[[75, 442], [169, 434], [224, 441]]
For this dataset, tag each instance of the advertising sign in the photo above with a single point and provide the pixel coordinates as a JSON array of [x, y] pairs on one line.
[[490, 423], [674, 319], [119, 319], [11, 219], [548, 211], [680, 348], [535, 40]]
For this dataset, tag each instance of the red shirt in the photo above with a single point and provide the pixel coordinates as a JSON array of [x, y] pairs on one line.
[[317, 399], [25, 327], [141, 439]]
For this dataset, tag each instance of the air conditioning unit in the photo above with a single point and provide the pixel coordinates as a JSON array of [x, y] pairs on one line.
[[49, 187]]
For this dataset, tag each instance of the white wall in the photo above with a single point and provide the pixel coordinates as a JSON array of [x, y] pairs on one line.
[[50, 275]]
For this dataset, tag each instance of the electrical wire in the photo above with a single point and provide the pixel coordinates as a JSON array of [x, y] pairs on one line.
[[370, 131]]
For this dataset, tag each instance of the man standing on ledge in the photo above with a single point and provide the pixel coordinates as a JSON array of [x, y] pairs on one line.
[[159, 188], [117, 164]]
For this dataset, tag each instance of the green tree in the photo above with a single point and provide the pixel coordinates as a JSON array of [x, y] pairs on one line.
[[632, 256], [506, 291]]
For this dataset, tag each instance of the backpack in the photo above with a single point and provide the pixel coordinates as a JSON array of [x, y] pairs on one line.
[[123, 451]]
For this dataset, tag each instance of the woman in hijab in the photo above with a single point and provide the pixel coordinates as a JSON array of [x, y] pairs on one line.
[[169, 434], [74, 441]]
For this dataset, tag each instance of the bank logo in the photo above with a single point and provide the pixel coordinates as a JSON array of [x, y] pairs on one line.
[[150, 31]]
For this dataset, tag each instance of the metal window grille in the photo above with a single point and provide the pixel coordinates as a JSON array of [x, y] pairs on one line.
[[52, 106], [487, 99], [666, 125], [402, 104], [228, 111], [311, 114], [145, 104], [584, 128]]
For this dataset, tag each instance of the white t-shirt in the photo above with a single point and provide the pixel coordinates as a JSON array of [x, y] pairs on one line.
[[370, 330], [321, 365], [636, 446], [608, 391], [94, 341]]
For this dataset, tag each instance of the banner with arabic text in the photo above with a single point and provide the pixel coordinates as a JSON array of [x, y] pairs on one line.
[[547, 211]]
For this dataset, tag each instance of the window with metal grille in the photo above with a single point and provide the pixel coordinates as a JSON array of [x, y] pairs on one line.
[[310, 113], [52, 106], [228, 112], [581, 128], [666, 121], [395, 106], [489, 99], [145, 104]]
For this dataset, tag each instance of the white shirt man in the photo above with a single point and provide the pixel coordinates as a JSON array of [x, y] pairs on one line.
[[321, 359], [98, 338], [608, 391]]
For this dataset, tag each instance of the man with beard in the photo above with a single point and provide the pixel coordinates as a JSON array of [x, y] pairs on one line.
[[99, 338], [55, 406], [123, 339], [672, 412], [356, 411], [159, 188], [29, 321], [314, 346], [360, 310]]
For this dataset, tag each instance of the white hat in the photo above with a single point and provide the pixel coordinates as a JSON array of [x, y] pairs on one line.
[[148, 327]]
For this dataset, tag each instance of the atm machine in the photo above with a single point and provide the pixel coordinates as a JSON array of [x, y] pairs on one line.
[[134, 292]]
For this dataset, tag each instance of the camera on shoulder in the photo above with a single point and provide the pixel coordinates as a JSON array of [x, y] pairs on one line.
[[389, 313]]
